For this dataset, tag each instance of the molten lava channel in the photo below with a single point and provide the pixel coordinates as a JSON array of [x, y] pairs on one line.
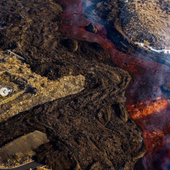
[[144, 109], [146, 102]]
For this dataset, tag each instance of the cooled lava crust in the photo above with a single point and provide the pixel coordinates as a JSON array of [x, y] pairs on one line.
[[133, 21], [88, 130]]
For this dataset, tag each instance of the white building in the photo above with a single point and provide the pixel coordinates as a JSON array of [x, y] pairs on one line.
[[4, 91], [166, 50]]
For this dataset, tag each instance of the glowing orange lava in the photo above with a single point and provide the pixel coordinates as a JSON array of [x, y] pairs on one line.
[[143, 109]]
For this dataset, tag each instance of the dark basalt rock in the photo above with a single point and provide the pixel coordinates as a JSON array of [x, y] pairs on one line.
[[91, 28], [70, 44], [87, 130]]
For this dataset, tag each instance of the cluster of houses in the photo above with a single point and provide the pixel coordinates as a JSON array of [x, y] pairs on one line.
[[166, 50]]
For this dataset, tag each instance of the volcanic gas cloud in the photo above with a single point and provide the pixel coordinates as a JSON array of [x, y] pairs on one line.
[[147, 101]]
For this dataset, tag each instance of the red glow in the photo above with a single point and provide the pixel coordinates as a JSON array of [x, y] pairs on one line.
[[146, 103], [144, 109]]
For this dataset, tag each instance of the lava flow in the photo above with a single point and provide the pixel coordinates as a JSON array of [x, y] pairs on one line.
[[147, 103]]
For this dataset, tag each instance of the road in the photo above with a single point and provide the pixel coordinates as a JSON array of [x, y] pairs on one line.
[[27, 166]]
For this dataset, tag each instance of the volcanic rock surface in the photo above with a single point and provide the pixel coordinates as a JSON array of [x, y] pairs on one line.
[[29, 89], [147, 20], [87, 130], [142, 21]]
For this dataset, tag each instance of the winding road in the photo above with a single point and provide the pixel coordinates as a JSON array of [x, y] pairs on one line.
[[26, 166]]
